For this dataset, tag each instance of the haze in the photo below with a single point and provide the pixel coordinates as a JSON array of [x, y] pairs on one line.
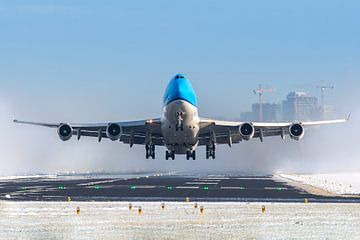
[[90, 61]]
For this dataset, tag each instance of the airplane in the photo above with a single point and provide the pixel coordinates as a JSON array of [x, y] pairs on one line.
[[180, 129]]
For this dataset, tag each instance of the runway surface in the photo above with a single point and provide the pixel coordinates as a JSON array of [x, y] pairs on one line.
[[157, 188]]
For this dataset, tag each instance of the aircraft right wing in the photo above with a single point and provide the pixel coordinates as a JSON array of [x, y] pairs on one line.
[[230, 132]]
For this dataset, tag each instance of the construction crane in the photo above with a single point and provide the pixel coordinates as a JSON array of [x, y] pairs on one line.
[[260, 91], [322, 88]]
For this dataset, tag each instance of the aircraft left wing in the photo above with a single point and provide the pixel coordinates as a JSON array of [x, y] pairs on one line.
[[230, 132], [131, 132]]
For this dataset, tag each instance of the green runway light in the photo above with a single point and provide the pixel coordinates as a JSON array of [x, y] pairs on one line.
[[23, 188], [61, 187], [206, 188], [133, 187], [242, 188], [170, 188], [97, 187], [280, 188]]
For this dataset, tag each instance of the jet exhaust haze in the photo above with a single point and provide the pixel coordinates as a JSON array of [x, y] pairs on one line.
[[29, 150]]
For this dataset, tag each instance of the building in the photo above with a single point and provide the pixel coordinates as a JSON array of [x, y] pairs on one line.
[[299, 106], [271, 113]]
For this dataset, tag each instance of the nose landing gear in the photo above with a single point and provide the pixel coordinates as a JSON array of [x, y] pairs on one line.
[[210, 151], [150, 151], [190, 154], [169, 155]]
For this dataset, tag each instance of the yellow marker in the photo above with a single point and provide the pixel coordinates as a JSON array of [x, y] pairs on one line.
[[187, 200], [195, 205], [78, 210], [263, 209], [69, 199], [163, 206], [201, 209], [130, 206], [306, 200], [140, 210]]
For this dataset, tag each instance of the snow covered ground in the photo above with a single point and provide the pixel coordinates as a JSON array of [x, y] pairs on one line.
[[338, 183], [113, 220]]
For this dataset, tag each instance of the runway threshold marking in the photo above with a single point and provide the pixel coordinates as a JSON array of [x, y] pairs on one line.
[[201, 183], [188, 187], [233, 188]]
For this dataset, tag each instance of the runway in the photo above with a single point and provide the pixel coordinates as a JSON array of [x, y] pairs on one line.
[[208, 188]]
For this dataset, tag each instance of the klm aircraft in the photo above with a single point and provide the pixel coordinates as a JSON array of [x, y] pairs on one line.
[[180, 129]]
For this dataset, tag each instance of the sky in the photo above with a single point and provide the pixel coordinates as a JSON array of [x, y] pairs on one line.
[[91, 61]]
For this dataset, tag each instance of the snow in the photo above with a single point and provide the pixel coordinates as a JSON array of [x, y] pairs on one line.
[[114, 220], [338, 183]]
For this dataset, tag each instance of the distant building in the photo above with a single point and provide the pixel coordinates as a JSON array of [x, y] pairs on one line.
[[247, 116], [327, 112], [299, 106], [271, 113]]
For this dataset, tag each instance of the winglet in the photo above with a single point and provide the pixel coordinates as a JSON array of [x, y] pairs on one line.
[[348, 117]]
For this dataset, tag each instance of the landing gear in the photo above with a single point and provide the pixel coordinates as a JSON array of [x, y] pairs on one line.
[[190, 154], [170, 154], [150, 151], [210, 151]]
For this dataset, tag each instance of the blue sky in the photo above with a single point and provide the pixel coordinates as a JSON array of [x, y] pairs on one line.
[[111, 60], [120, 50]]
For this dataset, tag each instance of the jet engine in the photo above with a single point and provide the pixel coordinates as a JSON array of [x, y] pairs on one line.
[[65, 131], [296, 131], [113, 131], [247, 131]]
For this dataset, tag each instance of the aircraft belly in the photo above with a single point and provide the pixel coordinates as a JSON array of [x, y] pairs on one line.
[[181, 134]]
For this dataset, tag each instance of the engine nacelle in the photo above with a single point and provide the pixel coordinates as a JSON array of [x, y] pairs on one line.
[[296, 131], [247, 131], [65, 131], [113, 131]]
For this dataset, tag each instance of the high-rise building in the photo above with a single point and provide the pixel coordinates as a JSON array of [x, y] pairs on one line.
[[299, 106], [271, 113]]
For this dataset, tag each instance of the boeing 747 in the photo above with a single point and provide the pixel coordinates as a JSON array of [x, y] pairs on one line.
[[180, 129]]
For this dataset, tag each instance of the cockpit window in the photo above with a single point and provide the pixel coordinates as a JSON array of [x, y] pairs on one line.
[[179, 76]]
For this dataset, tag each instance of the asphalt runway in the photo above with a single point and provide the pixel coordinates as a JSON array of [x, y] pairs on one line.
[[158, 188]]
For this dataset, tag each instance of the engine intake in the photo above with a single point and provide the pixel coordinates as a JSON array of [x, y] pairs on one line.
[[113, 131], [296, 131], [65, 131], [247, 131]]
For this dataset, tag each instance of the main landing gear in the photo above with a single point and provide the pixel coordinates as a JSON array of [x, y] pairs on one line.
[[210, 151], [150, 151], [169, 155], [190, 154]]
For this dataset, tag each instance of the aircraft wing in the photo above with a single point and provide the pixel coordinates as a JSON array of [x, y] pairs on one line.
[[228, 132], [132, 132]]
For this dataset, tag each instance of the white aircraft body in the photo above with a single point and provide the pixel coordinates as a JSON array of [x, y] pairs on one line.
[[180, 129]]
